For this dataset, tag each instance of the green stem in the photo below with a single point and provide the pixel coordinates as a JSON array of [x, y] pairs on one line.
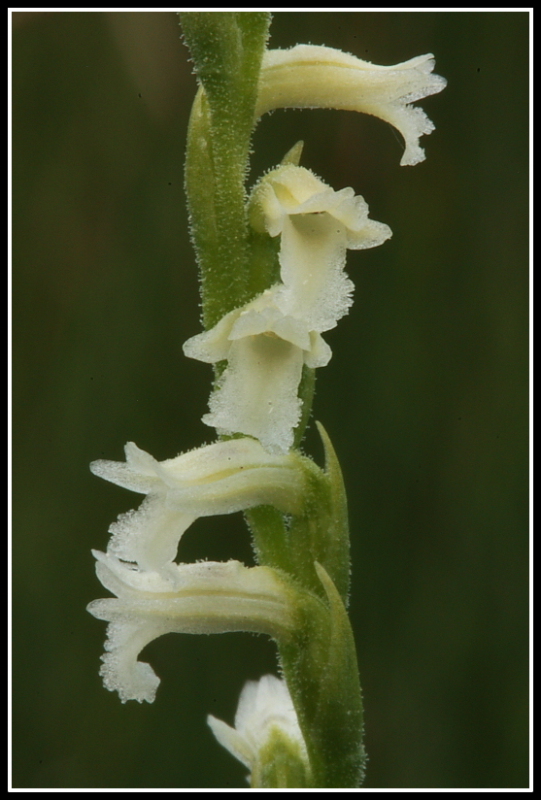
[[236, 263], [227, 48]]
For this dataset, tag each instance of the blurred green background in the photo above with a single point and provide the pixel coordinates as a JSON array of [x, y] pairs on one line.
[[425, 399]]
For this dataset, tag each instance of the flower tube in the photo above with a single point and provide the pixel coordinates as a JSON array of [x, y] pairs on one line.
[[220, 478], [206, 597], [310, 76]]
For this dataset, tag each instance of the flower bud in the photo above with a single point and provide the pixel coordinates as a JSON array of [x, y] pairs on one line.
[[266, 738]]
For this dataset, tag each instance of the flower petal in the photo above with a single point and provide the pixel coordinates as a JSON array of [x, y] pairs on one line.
[[309, 76]]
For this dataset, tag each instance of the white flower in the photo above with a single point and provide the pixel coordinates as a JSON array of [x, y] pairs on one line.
[[265, 708], [206, 597], [257, 393], [267, 341], [309, 76], [317, 225], [220, 478]]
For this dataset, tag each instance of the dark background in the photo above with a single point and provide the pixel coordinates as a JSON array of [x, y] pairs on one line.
[[425, 399]]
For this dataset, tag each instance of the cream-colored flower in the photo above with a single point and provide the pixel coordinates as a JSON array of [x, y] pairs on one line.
[[317, 225], [265, 350], [207, 597], [265, 710], [220, 478], [267, 342], [309, 76]]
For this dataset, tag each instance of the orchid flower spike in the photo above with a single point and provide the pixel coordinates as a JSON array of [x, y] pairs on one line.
[[267, 341], [266, 732], [220, 478], [309, 76]]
